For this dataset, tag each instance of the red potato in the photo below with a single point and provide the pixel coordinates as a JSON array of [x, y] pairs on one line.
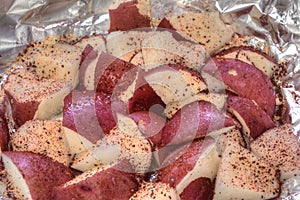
[[199, 160], [113, 75], [242, 175], [125, 45], [252, 118], [162, 48], [155, 190], [205, 28], [219, 100], [99, 183], [45, 61], [245, 80], [280, 147], [195, 120], [96, 42], [150, 125], [26, 102], [175, 82], [88, 114], [33, 176], [252, 56], [200, 188], [144, 97], [127, 16], [42, 137], [87, 69], [4, 136], [125, 141]]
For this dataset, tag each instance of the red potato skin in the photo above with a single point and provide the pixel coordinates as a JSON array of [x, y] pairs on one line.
[[176, 170], [112, 183], [144, 96], [86, 111], [4, 135], [256, 119], [87, 57], [248, 48], [127, 17], [194, 120], [40, 172], [88, 50], [199, 189], [21, 112], [250, 82], [113, 75], [143, 99], [152, 125]]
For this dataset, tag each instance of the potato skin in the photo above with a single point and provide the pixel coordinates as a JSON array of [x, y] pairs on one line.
[[4, 135], [111, 183], [194, 120], [176, 170], [85, 111], [150, 125], [256, 119], [113, 75], [21, 111], [143, 99], [40, 172], [127, 17], [199, 189], [245, 80]]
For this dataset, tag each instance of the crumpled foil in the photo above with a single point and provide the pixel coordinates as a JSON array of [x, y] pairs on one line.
[[275, 21]]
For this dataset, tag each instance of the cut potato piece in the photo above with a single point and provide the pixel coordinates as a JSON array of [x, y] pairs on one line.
[[87, 69], [165, 82], [158, 190], [95, 41], [281, 148], [126, 45], [195, 120], [123, 142], [113, 75], [239, 76], [200, 159], [205, 28], [232, 136], [89, 114], [49, 63], [130, 15], [252, 56], [33, 98], [4, 134], [162, 48], [252, 118], [218, 100], [200, 188], [242, 175], [33, 176], [43, 137], [150, 124], [76, 142], [110, 182]]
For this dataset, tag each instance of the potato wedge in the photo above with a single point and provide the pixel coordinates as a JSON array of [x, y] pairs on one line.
[[42, 137], [33, 176], [280, 147], [30, 97], [242, 175], [110, 182]]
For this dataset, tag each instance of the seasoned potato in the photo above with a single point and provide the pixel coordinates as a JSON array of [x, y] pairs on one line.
[[33, 176]]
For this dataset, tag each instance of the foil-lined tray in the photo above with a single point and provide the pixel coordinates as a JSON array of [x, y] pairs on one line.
[[276, 22]]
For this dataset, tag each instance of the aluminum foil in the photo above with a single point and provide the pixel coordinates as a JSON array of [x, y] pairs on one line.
[[277, 22]]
